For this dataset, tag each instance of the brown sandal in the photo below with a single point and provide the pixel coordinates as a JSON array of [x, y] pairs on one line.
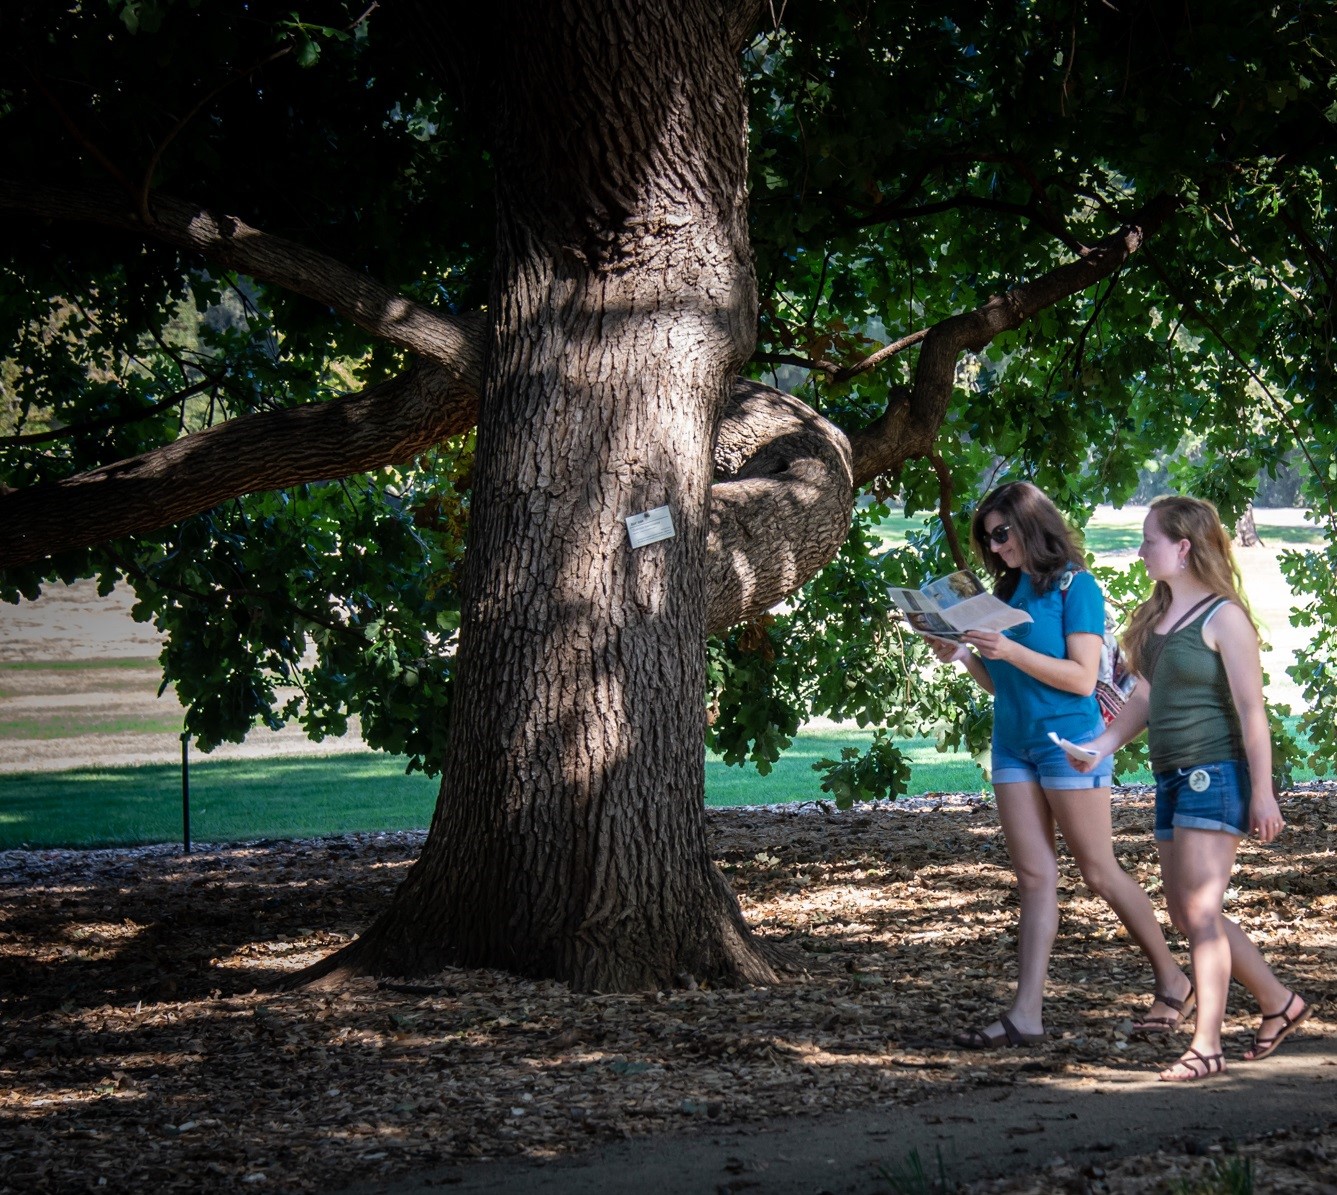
[[978, 1039], [1199, 1066], [1263, 1046], [1183, 1008]]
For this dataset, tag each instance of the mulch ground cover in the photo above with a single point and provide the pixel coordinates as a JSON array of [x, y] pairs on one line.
[[142, 1045]]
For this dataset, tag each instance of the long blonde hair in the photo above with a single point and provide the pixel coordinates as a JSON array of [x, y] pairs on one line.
[[1210, 560]]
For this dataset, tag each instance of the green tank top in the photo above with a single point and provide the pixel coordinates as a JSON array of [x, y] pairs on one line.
[[1191, 718]]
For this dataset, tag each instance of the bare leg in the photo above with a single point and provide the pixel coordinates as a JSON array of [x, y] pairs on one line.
[[1196, 867], [1029, 831], [1247, 964], [1083, 816]]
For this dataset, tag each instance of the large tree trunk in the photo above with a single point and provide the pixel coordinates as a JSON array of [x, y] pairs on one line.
[[569, 839], [1246, 530]]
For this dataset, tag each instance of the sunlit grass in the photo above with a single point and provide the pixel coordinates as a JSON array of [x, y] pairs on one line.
[[234, 800], [308, 796], [229, 800], [794, 780], [136, 663], [71, 722]]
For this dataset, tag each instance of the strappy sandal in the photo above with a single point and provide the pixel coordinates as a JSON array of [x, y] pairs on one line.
[[1263, 1046], [1151, 1026], [978, 1039], [1199, 1066]]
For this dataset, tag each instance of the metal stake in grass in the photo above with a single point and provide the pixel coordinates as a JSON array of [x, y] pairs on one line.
[[185, 789]]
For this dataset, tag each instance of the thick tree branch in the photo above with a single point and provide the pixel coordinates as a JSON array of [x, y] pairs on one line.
[[780, 507], [386, 425], [780, 513], [437, 336], [909, 426], [786, 477]]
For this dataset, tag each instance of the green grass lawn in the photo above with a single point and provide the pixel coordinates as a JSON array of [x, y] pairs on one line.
[[232, 800], [126, 664], [306, 797], [229, 800], [309, 796], [56, 724]]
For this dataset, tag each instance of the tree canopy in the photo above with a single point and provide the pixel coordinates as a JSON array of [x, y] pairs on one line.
[[249, 258], [994, 143]]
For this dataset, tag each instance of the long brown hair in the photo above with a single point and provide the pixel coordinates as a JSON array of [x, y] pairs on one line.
[[1049, 545], [1210, 560]]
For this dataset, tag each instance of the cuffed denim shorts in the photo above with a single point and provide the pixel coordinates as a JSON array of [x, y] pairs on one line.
[[1211, 796], [1047, 764]]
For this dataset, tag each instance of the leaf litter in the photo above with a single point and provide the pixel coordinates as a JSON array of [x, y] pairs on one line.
[[143, 1044]]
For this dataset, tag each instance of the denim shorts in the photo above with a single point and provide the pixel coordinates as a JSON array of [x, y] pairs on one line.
[[1047, 764], [1212, 796]]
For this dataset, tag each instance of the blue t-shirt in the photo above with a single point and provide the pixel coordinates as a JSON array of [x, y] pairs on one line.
[[1025, 710]]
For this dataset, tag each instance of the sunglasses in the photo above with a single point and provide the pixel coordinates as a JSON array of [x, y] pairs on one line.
[[1000, 533]]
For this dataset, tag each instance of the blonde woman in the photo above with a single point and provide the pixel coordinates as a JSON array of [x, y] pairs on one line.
[[1042, 675], [1200, 697]]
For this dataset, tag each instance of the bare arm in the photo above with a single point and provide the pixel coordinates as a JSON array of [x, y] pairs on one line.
[[1129, 722], [947, 652], [1074, 673], [1232, 634]]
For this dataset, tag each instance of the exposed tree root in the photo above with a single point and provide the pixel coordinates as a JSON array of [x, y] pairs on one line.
[[726, 953]]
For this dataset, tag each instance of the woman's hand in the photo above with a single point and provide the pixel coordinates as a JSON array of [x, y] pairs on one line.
[[1085, 764], [947, 651], [991, 645], [1265, 820]]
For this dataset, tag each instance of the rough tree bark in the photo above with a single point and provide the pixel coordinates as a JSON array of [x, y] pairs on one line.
[[569, 839], [1246, 530], [385, 425]]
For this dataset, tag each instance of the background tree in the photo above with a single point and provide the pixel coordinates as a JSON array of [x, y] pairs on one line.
[[263, 277]]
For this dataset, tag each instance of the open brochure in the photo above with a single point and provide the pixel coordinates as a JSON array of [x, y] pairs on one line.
[[952, 605], [1076, 750]]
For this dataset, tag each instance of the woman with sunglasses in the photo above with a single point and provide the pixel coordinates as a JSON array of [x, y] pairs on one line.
[[1200, 698], [1043, 675]]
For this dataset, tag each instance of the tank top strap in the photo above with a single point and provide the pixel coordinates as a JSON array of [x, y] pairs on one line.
[[1213, 610]]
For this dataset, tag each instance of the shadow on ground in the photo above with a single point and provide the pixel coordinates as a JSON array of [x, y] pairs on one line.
[[141, 1046]]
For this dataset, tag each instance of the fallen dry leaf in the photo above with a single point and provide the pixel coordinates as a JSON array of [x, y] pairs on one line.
[[143, 1048]]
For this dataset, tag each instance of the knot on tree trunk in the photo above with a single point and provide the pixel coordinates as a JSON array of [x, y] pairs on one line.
[[781, 504]]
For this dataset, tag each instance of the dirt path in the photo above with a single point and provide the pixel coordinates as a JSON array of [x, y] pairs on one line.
[[1042, 1133], [143, 1042], [141, 1047]]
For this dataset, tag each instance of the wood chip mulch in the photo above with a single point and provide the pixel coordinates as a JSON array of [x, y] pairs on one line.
[[141, 1049]]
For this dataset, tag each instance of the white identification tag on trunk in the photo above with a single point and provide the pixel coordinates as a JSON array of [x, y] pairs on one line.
[[650, 526]]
